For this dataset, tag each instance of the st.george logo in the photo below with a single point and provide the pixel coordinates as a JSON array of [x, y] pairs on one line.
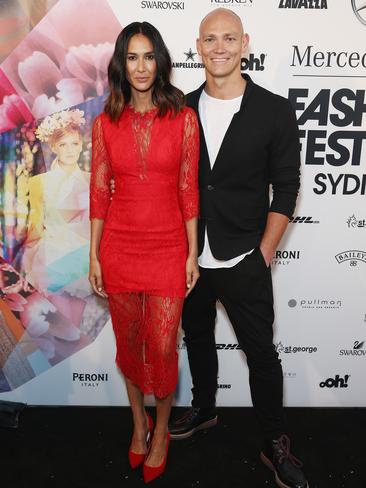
[[359, 8]]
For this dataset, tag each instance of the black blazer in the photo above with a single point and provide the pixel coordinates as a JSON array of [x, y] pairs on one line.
[[260, 148]]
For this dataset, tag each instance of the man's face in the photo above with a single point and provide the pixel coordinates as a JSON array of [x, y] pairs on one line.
[[221, 44]]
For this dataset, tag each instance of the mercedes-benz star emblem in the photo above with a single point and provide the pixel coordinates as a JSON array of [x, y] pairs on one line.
[[359, 8]]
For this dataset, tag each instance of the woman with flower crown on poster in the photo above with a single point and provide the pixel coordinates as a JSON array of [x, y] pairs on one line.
[[51, 310], [144, 241], [56, 256]]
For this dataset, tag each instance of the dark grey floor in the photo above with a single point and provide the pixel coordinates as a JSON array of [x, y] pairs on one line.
[[87, 448]]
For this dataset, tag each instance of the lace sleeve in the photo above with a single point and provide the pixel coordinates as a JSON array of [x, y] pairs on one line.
[[188, 180], [101, 174]]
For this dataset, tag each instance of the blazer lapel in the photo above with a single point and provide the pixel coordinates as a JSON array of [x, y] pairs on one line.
[[234, 126], [223, 150]]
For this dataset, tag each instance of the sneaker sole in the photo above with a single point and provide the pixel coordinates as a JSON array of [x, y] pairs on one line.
[[186, 435], [269, 465]]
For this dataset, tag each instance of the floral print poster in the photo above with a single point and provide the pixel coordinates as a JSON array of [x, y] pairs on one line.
[[52, 85]]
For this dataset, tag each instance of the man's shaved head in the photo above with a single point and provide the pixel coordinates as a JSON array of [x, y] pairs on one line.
[[222, 13], [221, 45]]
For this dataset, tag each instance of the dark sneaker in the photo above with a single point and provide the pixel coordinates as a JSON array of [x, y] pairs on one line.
[[192, 420], [287, 468]]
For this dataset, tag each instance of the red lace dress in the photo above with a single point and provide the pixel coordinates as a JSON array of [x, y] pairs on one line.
[[143, 250]]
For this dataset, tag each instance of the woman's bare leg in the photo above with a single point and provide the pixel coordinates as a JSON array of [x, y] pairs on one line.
[[136, 398], [158, 447], [127, 311], [162, 321]]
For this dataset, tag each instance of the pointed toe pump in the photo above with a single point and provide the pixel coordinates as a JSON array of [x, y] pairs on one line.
[[137, 459], [152, 472]]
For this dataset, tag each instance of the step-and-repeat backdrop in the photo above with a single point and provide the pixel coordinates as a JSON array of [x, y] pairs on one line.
[[56, 341]]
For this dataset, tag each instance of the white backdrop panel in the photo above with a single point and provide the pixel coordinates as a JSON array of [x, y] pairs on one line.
[[320, 303]]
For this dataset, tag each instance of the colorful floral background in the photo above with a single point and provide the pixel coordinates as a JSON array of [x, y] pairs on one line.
[[51, 61]]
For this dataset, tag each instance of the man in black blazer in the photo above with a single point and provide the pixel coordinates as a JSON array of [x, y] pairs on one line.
[[249, 141]]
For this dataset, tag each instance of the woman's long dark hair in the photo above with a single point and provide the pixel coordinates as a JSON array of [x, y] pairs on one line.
[[165, 96]]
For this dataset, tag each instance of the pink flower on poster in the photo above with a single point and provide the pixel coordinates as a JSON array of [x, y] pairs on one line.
[[61, 63], [49, 321], [13, 111], [46, 323], [44, 81], [15, 301], [39, 74], [90, 64]]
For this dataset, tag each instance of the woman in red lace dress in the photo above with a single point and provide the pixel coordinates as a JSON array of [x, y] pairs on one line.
[[144, 240]]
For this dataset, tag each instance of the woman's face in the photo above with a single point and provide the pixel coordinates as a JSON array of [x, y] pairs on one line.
[[140, 63], [68, 148]]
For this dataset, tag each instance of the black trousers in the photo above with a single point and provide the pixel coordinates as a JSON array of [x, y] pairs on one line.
[[245, 291]]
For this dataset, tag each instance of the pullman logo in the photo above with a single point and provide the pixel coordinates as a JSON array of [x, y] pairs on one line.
[[303, 220], [354, 223], [359, 8], [253, 63], [319, 4], [90, 379], [283, 258], [352, 256], [358, 350], [336, 382], [316, 303]]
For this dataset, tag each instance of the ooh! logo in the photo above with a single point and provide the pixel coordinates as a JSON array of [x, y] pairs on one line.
[[336, 382], [253, 63]]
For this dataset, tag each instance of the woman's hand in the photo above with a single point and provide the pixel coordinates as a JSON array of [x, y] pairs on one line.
[[192, 273], [95, 277]]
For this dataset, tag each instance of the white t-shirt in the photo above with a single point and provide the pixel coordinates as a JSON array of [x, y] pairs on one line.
[[216, 115]]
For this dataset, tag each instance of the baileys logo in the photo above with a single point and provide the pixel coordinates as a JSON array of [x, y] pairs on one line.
[[353, 256]]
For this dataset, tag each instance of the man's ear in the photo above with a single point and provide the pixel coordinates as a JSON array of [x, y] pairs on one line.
[[245, 43], [198, 46]]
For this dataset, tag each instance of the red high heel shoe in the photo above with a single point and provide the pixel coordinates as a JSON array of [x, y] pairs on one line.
[[152, 472], [137, 459]]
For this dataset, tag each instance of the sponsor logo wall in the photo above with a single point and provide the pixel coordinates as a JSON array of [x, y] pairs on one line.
[[319, 268]]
